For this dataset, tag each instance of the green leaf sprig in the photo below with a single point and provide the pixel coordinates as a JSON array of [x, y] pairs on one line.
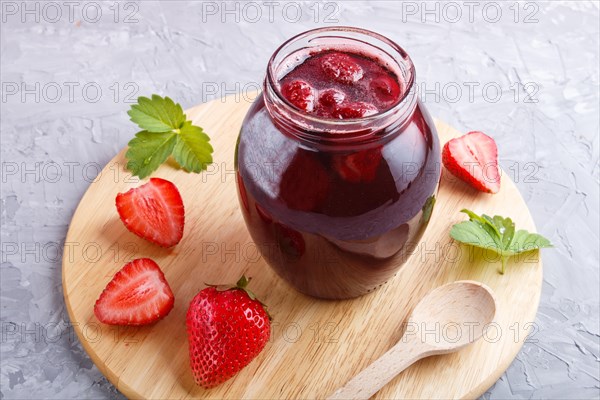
[[498, 235], [165, 132]]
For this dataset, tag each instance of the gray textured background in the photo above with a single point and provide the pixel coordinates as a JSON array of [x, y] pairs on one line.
[[542, 56]]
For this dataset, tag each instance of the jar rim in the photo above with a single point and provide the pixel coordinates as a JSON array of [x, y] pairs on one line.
[[290, 108]]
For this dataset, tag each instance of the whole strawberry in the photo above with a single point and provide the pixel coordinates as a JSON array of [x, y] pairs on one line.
[[227, 328]]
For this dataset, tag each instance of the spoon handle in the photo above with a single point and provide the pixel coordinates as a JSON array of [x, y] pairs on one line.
[[370, 380]]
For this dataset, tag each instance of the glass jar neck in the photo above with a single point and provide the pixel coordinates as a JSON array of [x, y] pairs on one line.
[[314, 129]]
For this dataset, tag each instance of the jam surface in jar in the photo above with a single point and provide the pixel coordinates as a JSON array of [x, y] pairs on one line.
[[337, 218], [341, 85]]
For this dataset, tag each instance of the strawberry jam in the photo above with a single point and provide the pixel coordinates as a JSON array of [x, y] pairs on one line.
[[341, 85], [337, 162]]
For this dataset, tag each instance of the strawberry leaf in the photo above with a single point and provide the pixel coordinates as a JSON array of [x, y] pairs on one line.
[[165, 132], [496, 234], [147, 150], [192, 150], [473, 233], [524, 241], [508, 232], [159, 114]]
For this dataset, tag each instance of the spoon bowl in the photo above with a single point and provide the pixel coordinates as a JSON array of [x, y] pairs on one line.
[[447, 319], [453, 315]]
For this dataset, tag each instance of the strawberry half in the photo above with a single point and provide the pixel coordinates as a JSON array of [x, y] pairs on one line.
[[473, 158], [227, 328], [153, 211], [138, 294], [358, 167]]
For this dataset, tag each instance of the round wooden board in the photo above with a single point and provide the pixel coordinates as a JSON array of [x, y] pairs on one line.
[[316, 345]]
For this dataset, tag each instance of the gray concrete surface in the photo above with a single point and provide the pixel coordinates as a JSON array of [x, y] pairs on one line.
[[526, 73]]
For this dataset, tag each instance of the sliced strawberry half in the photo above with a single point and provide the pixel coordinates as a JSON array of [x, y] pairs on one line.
[[153, 211], [473, 158], [137, 295], [358, 167]]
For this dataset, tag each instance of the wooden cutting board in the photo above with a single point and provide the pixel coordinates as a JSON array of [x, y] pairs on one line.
[[316, 345]]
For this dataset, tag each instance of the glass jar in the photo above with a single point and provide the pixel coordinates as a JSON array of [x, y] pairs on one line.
[[337, 206]]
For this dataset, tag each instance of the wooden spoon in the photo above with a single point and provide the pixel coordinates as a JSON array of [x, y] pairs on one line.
[[447, 319]]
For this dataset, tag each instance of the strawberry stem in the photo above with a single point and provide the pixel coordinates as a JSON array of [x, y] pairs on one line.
[[243, 282], [503, 265]]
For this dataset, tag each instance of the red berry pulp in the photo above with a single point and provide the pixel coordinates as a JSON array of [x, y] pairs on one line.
[[336, 220], [342, 85]]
